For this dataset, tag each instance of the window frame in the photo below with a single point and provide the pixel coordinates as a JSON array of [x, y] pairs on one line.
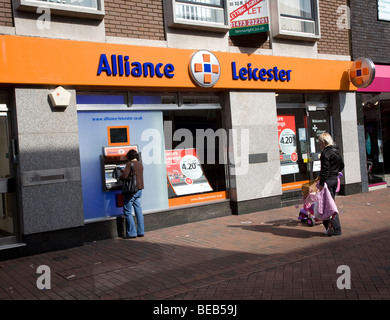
[[175, 22], [277, 24], [63, 9], [179, 102]]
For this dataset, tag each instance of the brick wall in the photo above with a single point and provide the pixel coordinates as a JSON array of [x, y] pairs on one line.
[[144, 20], [134, 19], [333, 39], [370, 36], [6, 13]]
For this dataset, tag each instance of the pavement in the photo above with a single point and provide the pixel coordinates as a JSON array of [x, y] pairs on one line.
[[267, 255]]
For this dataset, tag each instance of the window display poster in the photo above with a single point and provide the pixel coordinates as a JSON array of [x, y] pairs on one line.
[[185, 173], [248, 16], [318, 125], [287, 144]]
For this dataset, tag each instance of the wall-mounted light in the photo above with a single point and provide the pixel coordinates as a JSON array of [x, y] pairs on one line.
[[60, 97]]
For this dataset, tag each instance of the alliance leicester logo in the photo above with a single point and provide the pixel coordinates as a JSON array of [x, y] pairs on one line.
[[205, 68], [362, 72]]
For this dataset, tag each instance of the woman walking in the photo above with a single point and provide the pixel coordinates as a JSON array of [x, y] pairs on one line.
[[331, 164]]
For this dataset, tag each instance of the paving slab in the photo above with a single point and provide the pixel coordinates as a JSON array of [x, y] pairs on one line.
[[267, 255]]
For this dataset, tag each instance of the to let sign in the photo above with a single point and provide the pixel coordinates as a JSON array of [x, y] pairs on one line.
[[384, 10], [248, 16]]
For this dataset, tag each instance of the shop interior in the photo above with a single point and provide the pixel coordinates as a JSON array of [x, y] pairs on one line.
[[376, 112]]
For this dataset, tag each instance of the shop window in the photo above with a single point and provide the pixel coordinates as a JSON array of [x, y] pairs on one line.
[[8, 220], [195, 156], [198, 14], [98, 100], [153, 99], [179, 136], [92, 9], [201, 100], [295, 19], [173, 101]]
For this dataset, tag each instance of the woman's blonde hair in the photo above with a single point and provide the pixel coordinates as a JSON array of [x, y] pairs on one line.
[[326, 138]]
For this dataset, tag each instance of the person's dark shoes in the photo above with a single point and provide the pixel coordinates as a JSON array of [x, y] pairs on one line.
[[141, 235], [330, 232], [330, 229], [126, 237]]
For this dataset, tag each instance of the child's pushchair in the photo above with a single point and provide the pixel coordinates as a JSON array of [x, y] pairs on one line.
[[309, 191], [306, 213]]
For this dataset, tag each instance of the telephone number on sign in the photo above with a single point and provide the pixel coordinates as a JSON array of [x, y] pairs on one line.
[[250, 22]]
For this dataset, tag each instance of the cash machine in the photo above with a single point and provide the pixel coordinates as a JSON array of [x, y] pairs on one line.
[[114, 157], [113, 162]]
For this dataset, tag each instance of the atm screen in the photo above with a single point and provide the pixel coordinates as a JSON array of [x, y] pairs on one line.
[[109, 177], [118, 135]]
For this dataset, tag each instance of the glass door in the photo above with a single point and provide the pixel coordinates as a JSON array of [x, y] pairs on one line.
[[302, 118], [7, 181], [376, 110], [293, 147], [319, 122]]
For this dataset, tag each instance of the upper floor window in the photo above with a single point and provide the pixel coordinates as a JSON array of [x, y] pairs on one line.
[[198, 14], [200, 10], [295, 19], [93, 9], [81, 3]]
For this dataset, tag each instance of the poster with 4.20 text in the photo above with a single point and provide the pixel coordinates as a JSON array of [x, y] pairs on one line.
[[287, 144], [185, 173]]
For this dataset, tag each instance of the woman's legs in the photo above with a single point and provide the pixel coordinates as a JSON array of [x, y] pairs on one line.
[[138, 213], [130, 202]]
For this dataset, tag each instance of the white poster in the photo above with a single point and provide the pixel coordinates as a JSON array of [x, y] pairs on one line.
[[384, 10]]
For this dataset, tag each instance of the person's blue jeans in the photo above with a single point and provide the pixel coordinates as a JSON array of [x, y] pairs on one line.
[[130, 202]]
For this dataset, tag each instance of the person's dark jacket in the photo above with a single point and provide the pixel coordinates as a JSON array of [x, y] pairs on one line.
[[331, 163], [139, 171]]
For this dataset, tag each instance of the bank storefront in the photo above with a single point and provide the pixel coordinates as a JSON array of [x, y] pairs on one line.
[[373, 103], [218, 133]]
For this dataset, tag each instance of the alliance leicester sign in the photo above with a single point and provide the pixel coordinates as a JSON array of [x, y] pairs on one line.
[[43, 61]]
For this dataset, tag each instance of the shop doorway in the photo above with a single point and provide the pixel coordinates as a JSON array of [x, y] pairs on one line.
[[301, 120], [376, 112], [7, 180]]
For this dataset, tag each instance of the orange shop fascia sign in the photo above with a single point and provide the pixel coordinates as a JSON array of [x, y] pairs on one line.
[[41, 61]]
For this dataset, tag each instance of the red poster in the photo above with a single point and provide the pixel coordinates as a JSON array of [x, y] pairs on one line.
[[287, 144]]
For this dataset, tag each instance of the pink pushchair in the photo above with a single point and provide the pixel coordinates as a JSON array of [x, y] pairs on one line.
[[306, 213]]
